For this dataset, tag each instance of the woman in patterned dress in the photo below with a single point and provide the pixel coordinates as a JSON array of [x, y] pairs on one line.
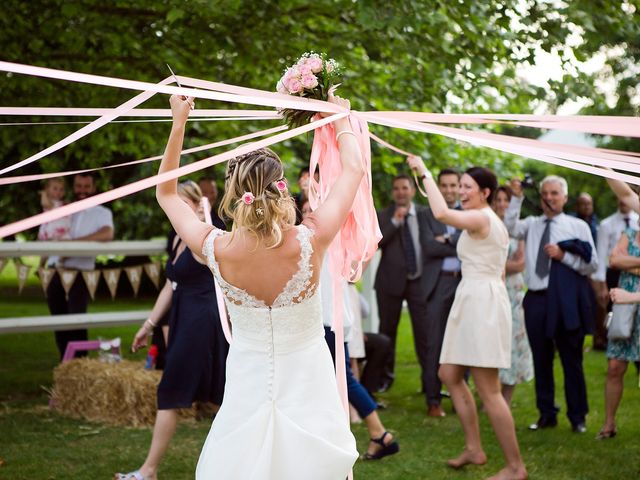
[[521, 369], [625, 256]]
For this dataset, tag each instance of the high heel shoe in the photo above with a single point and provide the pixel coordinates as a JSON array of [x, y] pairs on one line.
[[386, 450], [605, 434]]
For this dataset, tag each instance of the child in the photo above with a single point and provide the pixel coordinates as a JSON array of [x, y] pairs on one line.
[[52, 197]]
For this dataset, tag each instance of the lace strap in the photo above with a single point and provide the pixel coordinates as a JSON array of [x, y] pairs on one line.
[[299, 285], [208, 248]]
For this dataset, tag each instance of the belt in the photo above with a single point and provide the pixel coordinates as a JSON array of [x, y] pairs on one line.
[[538, 292], [451, 273]]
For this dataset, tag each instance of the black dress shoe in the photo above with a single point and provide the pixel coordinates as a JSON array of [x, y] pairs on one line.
[[544, 423], [579, 427], [386, 385]]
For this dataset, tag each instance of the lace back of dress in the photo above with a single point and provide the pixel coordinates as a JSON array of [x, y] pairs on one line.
[[298, 288]]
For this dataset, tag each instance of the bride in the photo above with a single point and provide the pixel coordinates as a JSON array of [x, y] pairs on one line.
[[281, 417]]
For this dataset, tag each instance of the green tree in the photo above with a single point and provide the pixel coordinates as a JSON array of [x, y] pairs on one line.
[[399, 55]]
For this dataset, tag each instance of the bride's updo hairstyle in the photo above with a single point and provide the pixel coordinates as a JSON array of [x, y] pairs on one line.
[[485, 179], [256, 196]]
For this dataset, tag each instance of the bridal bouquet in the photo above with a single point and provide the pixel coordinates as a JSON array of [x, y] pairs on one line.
[[311, 77]]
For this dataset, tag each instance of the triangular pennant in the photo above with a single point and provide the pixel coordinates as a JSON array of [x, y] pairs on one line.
[[153, 272], [112, 276], [3, 263], [45, 274], [23, 274], [134, 274], [91, 279], [67, 278]]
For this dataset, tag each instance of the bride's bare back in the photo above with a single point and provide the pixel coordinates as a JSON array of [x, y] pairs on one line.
[[263, 272]]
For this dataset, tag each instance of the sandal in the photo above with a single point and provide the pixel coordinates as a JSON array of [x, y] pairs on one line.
[[387, 449], [129, 476], [605, 434]]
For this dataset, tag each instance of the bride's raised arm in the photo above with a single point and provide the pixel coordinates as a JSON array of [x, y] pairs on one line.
[[331, 214], [184, 220]]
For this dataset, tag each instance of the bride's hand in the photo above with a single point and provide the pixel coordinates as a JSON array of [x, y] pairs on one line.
[[416, 164], [336, 100], [180, 108]]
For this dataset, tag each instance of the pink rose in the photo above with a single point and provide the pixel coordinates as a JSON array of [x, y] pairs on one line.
[[281, 185], [315, 64], [294, 85], [305, 70], [292, 72], [248, 198], [281, 88], [309, 81]]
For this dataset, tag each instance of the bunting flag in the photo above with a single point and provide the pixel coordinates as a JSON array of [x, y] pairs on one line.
[[134, 274], [67, 278], [91, 279], [112, 276], [45, 275], [153, 272], [23, 274]]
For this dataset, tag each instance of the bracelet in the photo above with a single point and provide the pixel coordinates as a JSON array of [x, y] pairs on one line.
[[153, 325], [344, 132], [426, 174]]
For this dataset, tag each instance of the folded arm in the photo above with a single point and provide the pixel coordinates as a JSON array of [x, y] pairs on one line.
[[104, 234]]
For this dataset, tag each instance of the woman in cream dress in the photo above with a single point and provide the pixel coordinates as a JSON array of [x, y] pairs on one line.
[[478, 332]]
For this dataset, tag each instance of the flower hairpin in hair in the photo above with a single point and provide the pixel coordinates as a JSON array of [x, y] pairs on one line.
[[259, 211], [281, 185], [248, 198]]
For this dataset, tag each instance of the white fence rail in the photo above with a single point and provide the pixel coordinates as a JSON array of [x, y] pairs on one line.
[[77, 248], [47, 323], [69, 249]]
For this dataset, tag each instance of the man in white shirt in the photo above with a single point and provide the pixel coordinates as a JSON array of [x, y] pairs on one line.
[[92, 224], [606, 278], [542, 235]]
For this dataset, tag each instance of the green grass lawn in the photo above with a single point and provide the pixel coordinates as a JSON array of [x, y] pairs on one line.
[[36, 443]]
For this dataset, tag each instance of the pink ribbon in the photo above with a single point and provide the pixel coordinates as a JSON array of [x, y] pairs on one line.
[[357, 240], [139, 185], [44, 176]]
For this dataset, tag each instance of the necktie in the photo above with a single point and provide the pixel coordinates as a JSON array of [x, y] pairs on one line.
[[542, 262], [409, 248], [626, 222]]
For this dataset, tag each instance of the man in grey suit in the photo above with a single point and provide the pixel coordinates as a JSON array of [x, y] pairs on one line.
[[442, 275], [400, 275]]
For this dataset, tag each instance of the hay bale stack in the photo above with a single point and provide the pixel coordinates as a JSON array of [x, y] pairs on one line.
[[122, 393]]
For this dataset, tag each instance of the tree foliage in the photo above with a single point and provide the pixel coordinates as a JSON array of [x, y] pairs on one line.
[[415, 55]]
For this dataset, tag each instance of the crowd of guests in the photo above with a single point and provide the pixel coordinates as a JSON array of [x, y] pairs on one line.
[[562, 274]]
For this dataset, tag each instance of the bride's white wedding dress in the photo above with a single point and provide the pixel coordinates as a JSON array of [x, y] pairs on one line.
[[281, 417]]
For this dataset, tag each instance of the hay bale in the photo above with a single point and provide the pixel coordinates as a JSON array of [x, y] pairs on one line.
[[122, 393]]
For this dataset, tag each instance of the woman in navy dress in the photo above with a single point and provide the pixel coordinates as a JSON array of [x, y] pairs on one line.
[[197, 349]]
